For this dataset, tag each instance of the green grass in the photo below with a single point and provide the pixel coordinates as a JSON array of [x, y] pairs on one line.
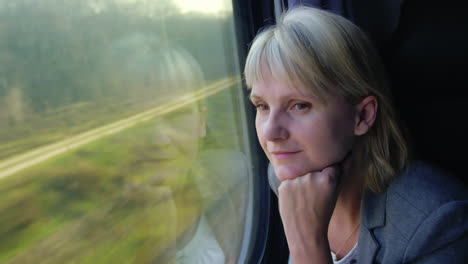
[[71, 190], [43, 199], [95, 205], [61, 123]]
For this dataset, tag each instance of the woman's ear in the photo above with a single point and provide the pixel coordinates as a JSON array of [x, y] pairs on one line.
[[366, 112]]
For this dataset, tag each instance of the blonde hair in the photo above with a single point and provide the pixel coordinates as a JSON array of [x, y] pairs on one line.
[[332, 57]]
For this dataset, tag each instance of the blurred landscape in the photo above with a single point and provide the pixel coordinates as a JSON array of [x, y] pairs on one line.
[[105, 201], [102, 190], [58, 73]]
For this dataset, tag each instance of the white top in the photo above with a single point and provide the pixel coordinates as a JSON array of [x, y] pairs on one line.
[[203, 248], [350, 258]]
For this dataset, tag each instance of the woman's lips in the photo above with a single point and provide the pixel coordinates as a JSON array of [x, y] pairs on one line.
[[284, 154]]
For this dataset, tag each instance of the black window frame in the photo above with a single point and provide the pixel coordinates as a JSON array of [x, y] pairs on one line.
[[269, 245]]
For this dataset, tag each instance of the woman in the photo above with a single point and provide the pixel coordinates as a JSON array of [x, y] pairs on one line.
[[204, 213], [326, 122]]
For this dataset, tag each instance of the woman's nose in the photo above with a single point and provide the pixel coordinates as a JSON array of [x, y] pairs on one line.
[[275, 128]]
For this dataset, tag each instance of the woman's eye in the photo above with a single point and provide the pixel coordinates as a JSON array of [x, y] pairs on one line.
[[301, 106], [261, 107]]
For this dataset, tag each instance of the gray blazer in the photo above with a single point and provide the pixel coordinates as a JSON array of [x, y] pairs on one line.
[[421, 218]]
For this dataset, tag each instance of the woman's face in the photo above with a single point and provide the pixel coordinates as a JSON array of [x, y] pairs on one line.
[[176, 141], [178, 133], [298, 133]]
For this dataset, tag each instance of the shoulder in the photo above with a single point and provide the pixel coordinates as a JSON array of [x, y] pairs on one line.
[[203, 238], [425, 188], [429, 208]]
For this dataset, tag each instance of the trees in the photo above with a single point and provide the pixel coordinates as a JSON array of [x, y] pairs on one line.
[[54, 49]]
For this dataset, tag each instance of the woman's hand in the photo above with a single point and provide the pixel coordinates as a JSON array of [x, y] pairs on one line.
[[306, 204]]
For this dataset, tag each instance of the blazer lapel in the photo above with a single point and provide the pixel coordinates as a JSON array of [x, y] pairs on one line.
[[373, 209], [367, 247]]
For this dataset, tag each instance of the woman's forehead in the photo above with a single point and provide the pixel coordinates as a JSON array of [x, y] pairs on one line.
[[262, 90], [282, 87]]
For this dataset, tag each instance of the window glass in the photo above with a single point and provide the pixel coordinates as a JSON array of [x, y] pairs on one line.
[[124, 136]]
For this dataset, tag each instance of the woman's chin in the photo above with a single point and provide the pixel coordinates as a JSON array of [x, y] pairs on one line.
[[284, 172]]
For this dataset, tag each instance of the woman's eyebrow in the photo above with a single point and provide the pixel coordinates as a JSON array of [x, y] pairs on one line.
[[253, 97]]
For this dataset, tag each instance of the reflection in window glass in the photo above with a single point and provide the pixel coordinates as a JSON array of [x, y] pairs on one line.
[[123, 133]]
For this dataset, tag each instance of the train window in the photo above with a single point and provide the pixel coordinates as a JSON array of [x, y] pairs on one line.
[[124, 133]]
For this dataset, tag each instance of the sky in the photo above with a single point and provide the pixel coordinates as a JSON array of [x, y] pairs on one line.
[[204, 6]]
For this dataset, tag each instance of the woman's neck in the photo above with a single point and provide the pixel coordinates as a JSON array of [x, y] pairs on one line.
[[348, 203], [343, 230], [189, 209], [348, 207]]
